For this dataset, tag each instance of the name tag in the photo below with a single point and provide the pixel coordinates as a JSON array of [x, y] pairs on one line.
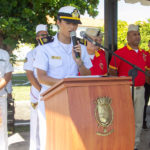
[[55, 57]]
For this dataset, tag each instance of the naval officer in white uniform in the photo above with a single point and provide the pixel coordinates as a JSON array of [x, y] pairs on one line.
[[5, 76], [56, 60], [41, 33]]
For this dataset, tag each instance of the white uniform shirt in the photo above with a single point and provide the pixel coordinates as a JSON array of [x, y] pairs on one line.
[[5, 67], [28, 65], [56, 59]]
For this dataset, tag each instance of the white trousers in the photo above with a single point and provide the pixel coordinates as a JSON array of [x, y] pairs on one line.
[[34, 130], [42, 124], [3, 123], [139, 103]]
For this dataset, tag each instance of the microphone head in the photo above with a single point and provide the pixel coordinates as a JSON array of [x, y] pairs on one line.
[[82, 34], [73, 33]]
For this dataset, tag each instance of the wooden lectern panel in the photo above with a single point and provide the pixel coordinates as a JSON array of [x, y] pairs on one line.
[[71, 119]]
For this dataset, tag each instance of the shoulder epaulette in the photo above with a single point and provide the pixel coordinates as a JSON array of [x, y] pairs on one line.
[[82, 41], [46, 40]]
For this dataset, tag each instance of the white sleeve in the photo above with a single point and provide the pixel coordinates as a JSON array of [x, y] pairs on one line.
[[85, 57], [41, 59], [28, 64], [9, 67]]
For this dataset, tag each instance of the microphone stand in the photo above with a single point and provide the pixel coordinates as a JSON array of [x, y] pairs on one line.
[[132, 72]]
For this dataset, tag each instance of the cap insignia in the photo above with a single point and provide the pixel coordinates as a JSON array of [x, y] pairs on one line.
[[75, 13]]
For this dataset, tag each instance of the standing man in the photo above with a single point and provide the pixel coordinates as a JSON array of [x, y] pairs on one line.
[[117, 67], [5, 76], [41, 33], [56, 60], [97, 55]]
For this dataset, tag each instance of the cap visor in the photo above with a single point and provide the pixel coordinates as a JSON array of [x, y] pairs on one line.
[[73, 21]]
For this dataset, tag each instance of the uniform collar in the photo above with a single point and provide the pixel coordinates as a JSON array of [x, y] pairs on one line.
[[130, 48], [57, 44]]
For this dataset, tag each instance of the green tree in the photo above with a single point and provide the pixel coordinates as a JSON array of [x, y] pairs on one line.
[[145, 33], [122, 33], [18, 18]]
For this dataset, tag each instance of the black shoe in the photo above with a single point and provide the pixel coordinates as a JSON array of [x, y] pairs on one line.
[[135, 149]]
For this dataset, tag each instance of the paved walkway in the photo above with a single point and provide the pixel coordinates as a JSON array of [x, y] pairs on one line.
[[20, 141]]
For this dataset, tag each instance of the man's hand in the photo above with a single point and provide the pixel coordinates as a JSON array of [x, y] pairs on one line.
[[5, 80]]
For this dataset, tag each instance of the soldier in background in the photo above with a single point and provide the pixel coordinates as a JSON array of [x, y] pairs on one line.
[[42, 37], [97, 55], [5, 76], [117, 67]]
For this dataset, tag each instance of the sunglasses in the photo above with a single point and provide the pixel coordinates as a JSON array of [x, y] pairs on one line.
[[43, 35]]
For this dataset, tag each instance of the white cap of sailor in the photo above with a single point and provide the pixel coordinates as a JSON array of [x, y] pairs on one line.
[[69, 14], [41, 27]]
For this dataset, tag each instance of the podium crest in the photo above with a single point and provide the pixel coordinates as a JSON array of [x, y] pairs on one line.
[[104, 115]]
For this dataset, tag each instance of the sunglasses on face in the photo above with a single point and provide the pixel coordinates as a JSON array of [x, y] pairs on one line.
[[43, 35]]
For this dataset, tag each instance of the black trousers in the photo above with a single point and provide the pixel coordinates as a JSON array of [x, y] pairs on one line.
[[147, 96]]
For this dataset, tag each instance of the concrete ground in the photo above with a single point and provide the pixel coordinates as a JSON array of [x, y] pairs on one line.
[[20, 141]]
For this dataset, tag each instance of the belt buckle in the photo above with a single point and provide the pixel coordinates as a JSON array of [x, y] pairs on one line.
[[34, 105], [138, 87]]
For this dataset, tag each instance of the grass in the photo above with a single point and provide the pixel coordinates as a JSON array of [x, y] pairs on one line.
[[22, 128], [21, 93], [21, 87]]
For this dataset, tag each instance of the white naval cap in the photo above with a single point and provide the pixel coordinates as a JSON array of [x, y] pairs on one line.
[[41, 27], [70, 14], [93, 32], [133, 27]]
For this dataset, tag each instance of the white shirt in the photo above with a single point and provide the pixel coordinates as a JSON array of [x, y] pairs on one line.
[[56, 59], [5, 67], [28, 65]]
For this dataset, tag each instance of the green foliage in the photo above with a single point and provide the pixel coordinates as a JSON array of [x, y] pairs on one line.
[[122, 33], [13, 59], [18, 18], [145, 33]]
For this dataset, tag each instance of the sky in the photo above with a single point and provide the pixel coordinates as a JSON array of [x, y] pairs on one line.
[[127, 12]]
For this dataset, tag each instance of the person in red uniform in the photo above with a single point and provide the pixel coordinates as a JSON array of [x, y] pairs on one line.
[[96, 54], [117, 67]]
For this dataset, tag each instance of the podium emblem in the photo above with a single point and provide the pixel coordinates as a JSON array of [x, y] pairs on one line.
[[104, 116]]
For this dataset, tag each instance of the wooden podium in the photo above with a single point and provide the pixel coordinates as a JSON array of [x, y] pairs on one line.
[[90, 114]]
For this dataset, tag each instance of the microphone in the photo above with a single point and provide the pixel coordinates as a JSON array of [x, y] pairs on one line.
[[74, 40], [85, 36]]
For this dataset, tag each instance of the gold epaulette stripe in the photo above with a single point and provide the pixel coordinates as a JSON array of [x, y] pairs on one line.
[[129, 47], [105, 74], [112, 67], [41, 41], [147, 68], [64, 17], [97, 54]]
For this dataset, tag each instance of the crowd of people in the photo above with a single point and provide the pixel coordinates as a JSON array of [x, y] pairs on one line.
[[55, 58]]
